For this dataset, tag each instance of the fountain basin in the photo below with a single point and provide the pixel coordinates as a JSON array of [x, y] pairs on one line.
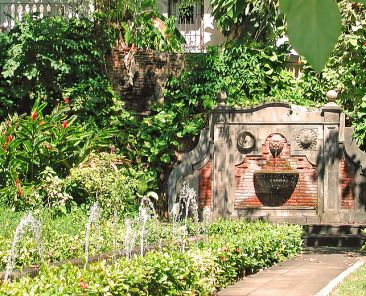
[[275, 183], [274, 189]]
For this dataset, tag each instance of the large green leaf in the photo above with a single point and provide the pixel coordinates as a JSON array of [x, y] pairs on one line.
[[313, 28], [284, 6]]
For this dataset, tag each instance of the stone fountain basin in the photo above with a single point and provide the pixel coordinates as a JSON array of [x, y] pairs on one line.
[[274, 188]]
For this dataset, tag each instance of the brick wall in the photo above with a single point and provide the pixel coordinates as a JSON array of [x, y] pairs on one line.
[[205, 185], [305, 194], [306, 191], [151, 71], [348, 173]]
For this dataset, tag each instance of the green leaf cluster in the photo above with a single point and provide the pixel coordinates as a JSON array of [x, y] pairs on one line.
[[140, 24], [54, 58], [105, 178], [254, 20]]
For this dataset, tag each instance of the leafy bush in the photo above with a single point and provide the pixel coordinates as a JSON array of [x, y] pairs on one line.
[[241, 247], [101, 178], [250, 74], [54, 57], [58, 60], [142, 25], [203, 269], [345, 69]]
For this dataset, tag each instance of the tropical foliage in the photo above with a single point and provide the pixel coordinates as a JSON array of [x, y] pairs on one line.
[[254, 63], [313, 26], [249, 20], [77, 111], [58, 105]]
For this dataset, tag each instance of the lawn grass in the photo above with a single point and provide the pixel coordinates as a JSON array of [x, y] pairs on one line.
[[353, 285]]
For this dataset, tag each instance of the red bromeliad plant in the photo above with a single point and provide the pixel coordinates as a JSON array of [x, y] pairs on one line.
[[31, 143]]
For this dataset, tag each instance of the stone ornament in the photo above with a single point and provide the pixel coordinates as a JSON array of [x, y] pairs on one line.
[[331, 95], [246, 141], [276, 144], [307, 139]]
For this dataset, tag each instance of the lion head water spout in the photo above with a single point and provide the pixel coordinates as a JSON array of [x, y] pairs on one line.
[[276, 181]]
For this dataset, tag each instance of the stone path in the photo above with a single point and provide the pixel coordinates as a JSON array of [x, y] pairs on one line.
[[304, 275]]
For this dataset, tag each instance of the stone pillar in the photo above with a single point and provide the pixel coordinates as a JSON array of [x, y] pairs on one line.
[[223, 180], [223, 172], [329, 173]]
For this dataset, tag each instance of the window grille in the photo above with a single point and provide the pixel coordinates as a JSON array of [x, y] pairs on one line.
[[189, 23]]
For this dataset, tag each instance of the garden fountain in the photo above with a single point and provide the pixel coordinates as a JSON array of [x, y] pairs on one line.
[[318, 177], [146, 212], [186, 204], [27, 220], [129, 238], [276, 181], [115, 224], [206, 218], [174, 216], [93, 219]]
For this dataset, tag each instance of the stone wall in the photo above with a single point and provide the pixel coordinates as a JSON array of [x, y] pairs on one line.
[[331, 182], [140, 77]]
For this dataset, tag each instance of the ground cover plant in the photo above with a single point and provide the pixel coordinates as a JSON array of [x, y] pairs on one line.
[[353, 285], [230, 250]]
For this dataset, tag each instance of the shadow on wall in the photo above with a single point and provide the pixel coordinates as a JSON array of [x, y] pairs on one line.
[[332, 153], [352, 176]]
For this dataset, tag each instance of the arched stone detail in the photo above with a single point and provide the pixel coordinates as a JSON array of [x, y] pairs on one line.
[[191, 162]]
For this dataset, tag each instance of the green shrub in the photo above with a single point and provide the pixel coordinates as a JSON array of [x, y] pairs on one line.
[[248, 19], [53, 57], [204, 268], [142, 25], [104, 177], [242, 247]]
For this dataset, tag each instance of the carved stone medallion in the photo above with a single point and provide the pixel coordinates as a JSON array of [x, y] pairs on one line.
[[246, 141], [307, 139]]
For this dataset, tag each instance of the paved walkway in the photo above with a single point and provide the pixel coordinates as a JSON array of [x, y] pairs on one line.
[[304, 275]]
